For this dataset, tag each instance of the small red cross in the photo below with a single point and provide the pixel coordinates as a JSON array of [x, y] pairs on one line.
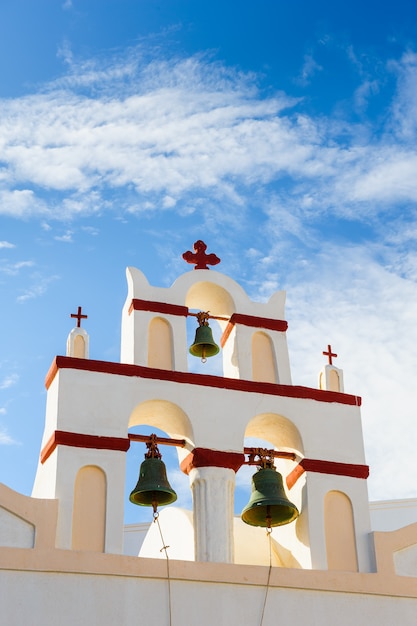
[[330, 354], [199, 256], [79, 316]]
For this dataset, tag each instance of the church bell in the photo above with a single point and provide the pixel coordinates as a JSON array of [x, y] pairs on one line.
[[204, 345], [152, 488], [268, 505]]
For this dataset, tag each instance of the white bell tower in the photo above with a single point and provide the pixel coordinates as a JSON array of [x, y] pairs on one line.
[[92, 404]]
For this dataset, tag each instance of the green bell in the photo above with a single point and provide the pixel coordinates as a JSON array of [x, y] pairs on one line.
[[153, 488], [268, 505], [204, 345]]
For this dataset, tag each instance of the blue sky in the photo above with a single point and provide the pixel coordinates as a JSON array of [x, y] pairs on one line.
[[284, 136]]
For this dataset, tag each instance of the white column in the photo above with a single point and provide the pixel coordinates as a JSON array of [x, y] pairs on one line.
[[213, 493]]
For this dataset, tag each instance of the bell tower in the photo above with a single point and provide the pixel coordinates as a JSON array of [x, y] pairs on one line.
[[314, 436]]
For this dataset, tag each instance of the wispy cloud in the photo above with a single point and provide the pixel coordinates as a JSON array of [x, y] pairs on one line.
[[12, 269], [367, 312], [166, 133], [9, 381], [309, 69], [6, 439], [6, 244], [37, 289], [66, 237]]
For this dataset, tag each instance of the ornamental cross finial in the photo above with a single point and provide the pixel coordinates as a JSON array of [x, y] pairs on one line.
[[79, 316], [330, 354], [199, 256]]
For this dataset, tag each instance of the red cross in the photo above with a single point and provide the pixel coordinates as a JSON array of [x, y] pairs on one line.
[[330, 354], [199, 256], [79, 316]]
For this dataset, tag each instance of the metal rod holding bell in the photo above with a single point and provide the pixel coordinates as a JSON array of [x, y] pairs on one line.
[[204, 345]]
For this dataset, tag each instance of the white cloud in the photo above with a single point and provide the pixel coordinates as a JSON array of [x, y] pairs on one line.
[[20, 202], [12, 269], [309, 69], [367, 313], [5, 439], [405, 103], [163, 132], [9, 381], [66, 237], [6, 244], [37, 289]]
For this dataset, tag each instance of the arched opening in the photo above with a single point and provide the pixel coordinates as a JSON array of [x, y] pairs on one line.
[[263, 358], [89, 510], [160, 344], [340, 532], [166, 420], [79, 347], [334, 381], [206, 296], [275, 432]]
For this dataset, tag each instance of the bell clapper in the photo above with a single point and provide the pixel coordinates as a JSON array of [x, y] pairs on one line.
[[268, 519], [155, 510]]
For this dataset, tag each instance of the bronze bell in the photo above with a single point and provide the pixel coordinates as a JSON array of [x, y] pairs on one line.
[[152, 488], [268, 505], [204, 345]]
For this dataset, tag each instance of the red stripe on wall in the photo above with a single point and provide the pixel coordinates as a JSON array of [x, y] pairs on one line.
[[259, 322], [327, 467], [78, 440], [157, 307], [200, 457], [205, 380], [254, 322], [204, 457]]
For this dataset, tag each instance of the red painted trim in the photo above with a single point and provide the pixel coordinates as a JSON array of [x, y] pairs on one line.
[[259, 322], [77, 440], [226, 334], [204, 457], [157, 307], [333, 467], [294, 475], [205, 380], [327, 467], [254, 322]]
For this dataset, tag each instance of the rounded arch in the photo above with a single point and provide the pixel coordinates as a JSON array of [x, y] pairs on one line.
[[207, 296], [340, 532], [89, 509], [160, 344], [167, 419], [263, 358], [165, 416], [277, 429]]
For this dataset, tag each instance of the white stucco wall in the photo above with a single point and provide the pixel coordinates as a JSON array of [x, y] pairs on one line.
[[68, 599]]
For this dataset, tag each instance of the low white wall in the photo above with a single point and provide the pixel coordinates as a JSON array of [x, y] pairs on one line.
[[100, 600], [389, 515]]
